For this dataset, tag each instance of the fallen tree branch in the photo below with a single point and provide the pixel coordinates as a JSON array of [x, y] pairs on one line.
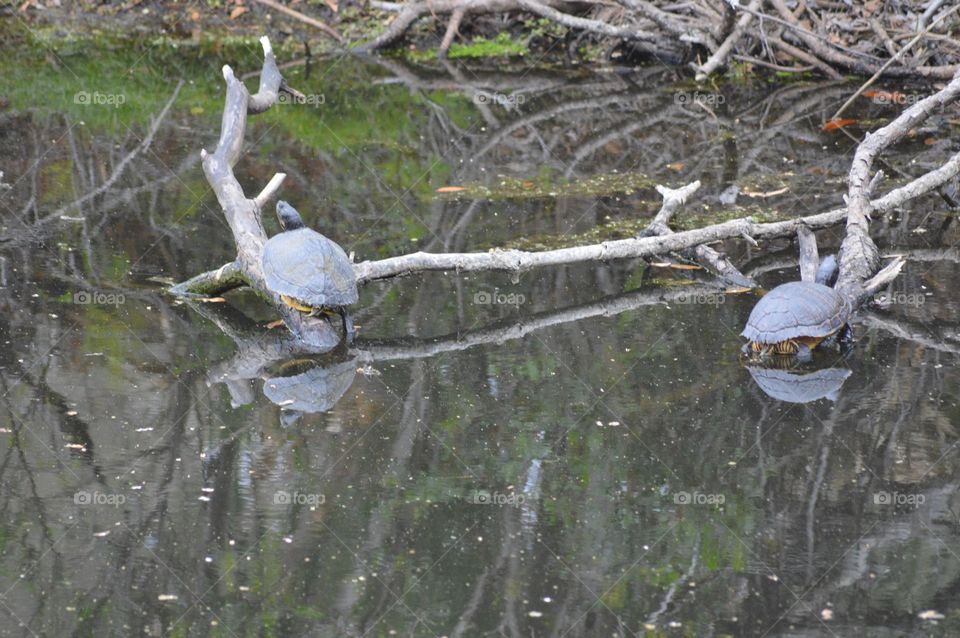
[[412, 11], [803, 56], [677, 31], [673, 200], [586, 24], [809, 255], [858, 254], [452, 28], [210, 284]]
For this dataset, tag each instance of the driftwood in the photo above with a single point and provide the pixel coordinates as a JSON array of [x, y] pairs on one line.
[[811, 37], [858, 260], [228, 276]]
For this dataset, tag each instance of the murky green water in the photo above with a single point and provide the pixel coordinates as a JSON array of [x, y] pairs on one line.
[[570, 454]]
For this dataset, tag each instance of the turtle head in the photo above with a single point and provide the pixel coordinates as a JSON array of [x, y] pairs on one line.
[[288, 216], [827, 272]]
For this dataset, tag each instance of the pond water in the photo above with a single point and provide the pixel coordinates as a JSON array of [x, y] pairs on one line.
[[578, 452]]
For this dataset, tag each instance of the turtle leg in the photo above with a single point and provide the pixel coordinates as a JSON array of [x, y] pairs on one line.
[[289, 418], [804, 354], [846, 335], [348, 331]]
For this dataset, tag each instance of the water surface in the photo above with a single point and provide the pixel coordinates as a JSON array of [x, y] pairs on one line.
[[576, 452]]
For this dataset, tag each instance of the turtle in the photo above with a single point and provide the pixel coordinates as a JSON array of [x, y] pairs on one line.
[[311, 273], [796, 317]]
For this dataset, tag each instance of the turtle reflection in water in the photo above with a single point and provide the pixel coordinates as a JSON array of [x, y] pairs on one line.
[[307, 386], [794, 387], [799, 316]]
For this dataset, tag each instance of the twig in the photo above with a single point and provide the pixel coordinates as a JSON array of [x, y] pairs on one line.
[[673, 200], [804, 56], [452, 28], [269, 190], [720, 55], [771, 65]]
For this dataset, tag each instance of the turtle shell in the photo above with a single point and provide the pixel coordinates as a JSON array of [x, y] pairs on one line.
[[800, 388], [796, 309], [307, 266], [316, 390]]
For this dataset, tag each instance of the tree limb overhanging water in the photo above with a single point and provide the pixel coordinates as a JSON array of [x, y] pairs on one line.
[[859, 277]]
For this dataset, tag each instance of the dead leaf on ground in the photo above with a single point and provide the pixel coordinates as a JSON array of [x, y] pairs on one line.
[[451, 189], [274, 324], [237, 12], [676, 166]]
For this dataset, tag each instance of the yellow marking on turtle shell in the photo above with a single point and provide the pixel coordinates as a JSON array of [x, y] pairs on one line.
[[790, 346], [296, 305]]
